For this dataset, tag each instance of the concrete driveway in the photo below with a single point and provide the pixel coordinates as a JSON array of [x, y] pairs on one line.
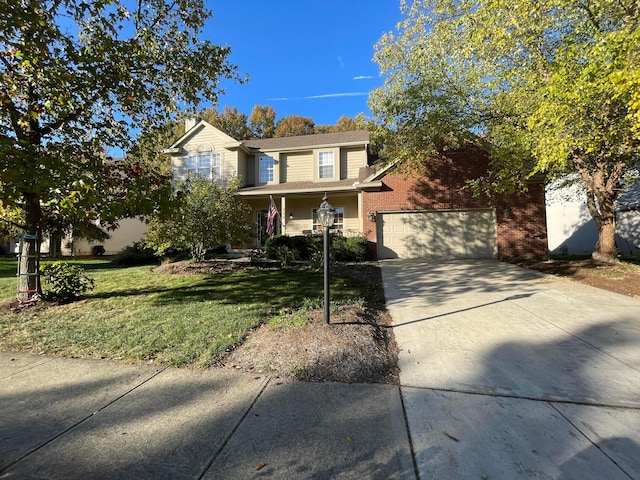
[[507, 373]]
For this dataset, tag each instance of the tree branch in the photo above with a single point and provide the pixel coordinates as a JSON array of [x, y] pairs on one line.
[[591, 15], [14, 224]]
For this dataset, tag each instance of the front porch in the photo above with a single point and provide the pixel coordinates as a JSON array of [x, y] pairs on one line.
[[297, 213]]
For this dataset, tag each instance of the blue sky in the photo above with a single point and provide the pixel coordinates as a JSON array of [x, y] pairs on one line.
[[303, 57]]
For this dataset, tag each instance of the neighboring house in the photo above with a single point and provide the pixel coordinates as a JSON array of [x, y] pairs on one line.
[[409, 217], [572, 231], [628, 221], [129, 231]]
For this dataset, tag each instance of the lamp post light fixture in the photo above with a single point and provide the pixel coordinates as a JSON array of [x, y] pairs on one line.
[[326, 217]]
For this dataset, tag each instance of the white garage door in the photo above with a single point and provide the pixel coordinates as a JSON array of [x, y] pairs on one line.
[[437, 234]]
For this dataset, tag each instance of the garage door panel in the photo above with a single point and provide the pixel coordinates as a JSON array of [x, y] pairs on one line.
[[444, 234]]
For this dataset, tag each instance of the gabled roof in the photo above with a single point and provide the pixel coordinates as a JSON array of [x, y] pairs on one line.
[[197, 128], [299, 142]]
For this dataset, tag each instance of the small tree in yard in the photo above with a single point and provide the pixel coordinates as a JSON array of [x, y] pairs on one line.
[[203, 216]]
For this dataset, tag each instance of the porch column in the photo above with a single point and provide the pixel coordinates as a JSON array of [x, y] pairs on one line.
[[284, 217], [361, 213]]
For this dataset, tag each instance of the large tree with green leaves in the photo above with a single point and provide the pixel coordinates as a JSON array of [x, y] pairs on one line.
[[262, 121], [546, 87], [76, 77], [230, 121], [293, 125], [204, 215]]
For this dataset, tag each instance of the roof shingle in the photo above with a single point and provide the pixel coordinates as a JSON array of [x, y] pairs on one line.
[[301, 141]]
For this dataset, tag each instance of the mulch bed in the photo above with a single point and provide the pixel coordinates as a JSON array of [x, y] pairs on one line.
[[623, 278]]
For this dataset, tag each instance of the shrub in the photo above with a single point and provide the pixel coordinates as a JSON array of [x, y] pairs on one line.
[[316, 248], [136, 254], [97, 250], [285, 255], [339, 252], [358, 248], [311, 248], [64, 282], [274, 244], [258, 256], [300, 246], [216, 252]]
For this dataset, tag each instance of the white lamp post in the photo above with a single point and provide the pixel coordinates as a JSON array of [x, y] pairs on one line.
[[326, 217]]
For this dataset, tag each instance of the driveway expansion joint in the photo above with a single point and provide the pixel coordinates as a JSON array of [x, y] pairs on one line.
[[233, 430], [593, 444], [79, 422], [406, 424], [524, 397]]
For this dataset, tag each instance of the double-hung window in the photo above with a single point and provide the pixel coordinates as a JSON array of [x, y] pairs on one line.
[[326, 165], [206, 165], [266, 169], [338, 220]]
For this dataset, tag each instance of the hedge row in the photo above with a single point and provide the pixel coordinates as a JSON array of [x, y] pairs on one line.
[[309, 248]]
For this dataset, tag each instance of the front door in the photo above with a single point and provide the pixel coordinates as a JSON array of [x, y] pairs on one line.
[[261, 228]]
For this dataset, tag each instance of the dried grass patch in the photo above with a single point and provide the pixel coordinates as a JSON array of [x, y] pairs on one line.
[[357, 347]]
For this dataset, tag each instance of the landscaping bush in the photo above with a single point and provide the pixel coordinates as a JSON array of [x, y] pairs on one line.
[[358, 248], [273, 243], [284, 255], [217, 252], [133, 255], [311, 248], [63, 281], [338, 248], [300, 246]]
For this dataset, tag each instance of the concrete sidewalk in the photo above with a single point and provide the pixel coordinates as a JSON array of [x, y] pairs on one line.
[[85, 419], [507, 373]]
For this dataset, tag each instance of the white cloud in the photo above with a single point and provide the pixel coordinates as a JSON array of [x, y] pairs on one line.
[[313, 97], [363, 77], [341, 62], [334, 95]]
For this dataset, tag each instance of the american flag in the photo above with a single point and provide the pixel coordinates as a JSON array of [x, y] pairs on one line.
[[271, 217]]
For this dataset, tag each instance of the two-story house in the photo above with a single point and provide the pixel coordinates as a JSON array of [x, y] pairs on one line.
[[295, 171], [429, 215]]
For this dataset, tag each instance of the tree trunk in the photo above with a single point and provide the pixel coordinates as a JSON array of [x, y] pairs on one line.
[[55, 245], [601, 181], [28, 282], [603, 212], [29, 285], [605, 250]]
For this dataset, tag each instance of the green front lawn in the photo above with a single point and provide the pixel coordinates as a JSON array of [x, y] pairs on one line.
[[134, 314]]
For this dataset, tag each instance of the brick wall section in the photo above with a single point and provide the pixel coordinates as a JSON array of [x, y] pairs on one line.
[[521, 233]]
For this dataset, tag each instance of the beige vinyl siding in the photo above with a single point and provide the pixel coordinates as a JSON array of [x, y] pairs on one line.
[[179, 168], [296, 167], [206, 140], [129, 231], [242, 166], [229, 164], [351, 160], [250, 179]]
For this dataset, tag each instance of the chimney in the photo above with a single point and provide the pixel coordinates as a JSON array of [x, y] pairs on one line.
[[190, 122]]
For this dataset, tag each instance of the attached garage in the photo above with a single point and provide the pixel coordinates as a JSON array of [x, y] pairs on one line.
[[441, 234]]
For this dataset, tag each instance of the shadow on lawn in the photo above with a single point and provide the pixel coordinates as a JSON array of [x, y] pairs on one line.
[[278, 288]]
